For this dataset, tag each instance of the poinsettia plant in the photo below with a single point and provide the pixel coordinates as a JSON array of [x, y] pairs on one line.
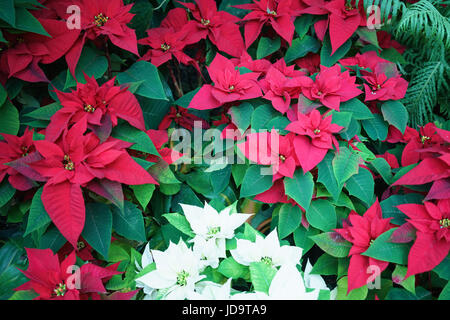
[[234, 149]]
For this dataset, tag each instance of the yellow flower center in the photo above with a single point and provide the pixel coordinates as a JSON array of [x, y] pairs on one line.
[[165, 47], [89, 108], [271, 12], [205, 22], [424, 139], [445, 223], [81, 245], [317, 131], [68, 163], [100, 19], [231, 88], [282, 158], [60, 290]]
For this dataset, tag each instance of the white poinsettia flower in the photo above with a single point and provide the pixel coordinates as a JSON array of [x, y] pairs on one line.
[[177, 272], [212, 225], [286, 285], [146, 260], [266, 250], [315, 281], [208, 290], [207, 252]]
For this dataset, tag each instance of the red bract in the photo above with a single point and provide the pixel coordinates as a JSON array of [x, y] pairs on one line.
[[27, 51], [367, 60], [384, 83], [183, 118], [14, 148], [279, 14], [105, 19], [315, 138], [422, 144], [271, 149], [72, 163], [229, 85], [219, 26], [309, 63], [432, 244], [385, 41], [53, 280], [97, 107], [361, 231], [343, 19], [170, 39], [331, 87], [246, 61], [280, 89]]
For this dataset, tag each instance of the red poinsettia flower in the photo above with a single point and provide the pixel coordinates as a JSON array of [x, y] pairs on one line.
[[183, 118], [361, 231], [170, 39], [105, 19], [229, 85], [98, 107], [278, 14], [385, 41], [245, 60], [219, 26], [272, 149], [83, 250], [432, 243], [15, 148], [384, 83], [280, 88], [343, 19], [72, 163], [309, 63], [421, 144], [53, 280], [21, 60], [315, 138], [159, 139], [366, 60], [331, 87]]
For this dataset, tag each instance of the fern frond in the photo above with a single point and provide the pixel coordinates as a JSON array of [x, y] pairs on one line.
[[423, 24], [389, 9], [421, 98]]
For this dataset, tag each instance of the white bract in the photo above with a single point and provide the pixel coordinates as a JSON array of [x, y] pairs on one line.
[[177, 272], [207, 252], [207, 290], [210, 225], [267, 250], [286, 285], [315, 281]]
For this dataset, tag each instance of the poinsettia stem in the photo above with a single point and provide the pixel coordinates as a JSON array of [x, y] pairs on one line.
[[179, 91], [108, 57]]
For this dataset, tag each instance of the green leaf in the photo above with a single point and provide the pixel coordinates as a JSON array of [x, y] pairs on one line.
[[326, 175], [144, 193], [398, 277], [231, 269], [7, 12], [142, 70], [300, 188], [141, 140], [333, 244], [45, 112], [9, 120], [261, 275], [98, 227], [6, 192], [342, 119], [389, 206], [395, 113], [129, 222], [186, 99], [180, 222], [38, 217], [24, 295], [289, 219], [361, 185], [254, 182], [262, 115], [3, 95], [445, 294], [242, 116], [392, 55], [326, 265], [345, 164], [321, 215], [303, 23], [25, 21], [52, 239], [382, 249], [383, 168], [443, 269], [302, 238], [301, 47], [355, 294], [376, 128], [328, 60], [359, 110], [267, 46], [92, 63]]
